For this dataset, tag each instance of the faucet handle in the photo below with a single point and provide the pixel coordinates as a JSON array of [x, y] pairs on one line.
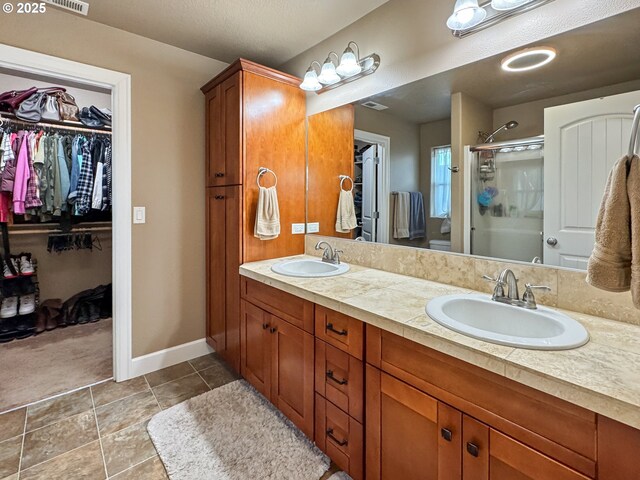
[[336, 255], [529, 299], [546, 288], [494, 280], [498, 291]]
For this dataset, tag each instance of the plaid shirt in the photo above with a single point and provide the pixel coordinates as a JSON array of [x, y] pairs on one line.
[[85, 181]]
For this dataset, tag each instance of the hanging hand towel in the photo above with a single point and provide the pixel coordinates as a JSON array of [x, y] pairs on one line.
[[609, 266], [633, 190], [346, 215], [417, 222], [401, 212], [267, 214]]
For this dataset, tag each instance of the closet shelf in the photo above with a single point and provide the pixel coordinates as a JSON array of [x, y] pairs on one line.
[[63, 125], [34, 229]]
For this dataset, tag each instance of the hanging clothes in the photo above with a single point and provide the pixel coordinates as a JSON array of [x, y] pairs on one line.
[[22, 175], [85, 181]]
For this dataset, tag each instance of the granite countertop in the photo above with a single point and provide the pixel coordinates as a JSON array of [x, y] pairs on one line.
[[602, 376]]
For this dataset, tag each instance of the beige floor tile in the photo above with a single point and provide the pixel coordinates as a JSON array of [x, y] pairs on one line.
[[12, 477], [217, 375], [168, 374], [126, 412], [127, 448], [108, 392], [10, 456], [205, 361], [48, 442], [84, 463], [50, 411], [152, 469], [179, 390], [12, 424]]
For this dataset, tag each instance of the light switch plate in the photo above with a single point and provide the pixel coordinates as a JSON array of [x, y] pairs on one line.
[[297, 228], [139, 215], [313, 227]]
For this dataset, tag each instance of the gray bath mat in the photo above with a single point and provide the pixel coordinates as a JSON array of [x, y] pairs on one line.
[[233, 433]]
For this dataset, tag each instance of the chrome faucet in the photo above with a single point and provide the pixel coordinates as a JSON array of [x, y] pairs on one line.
[[508, 279], [330, 255]]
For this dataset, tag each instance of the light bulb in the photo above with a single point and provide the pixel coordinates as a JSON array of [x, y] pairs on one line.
[[310, 82], [349, 65], [466, 14], [328, 73]]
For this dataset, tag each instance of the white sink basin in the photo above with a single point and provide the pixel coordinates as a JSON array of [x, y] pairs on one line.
[[480, 317], [309, 268]]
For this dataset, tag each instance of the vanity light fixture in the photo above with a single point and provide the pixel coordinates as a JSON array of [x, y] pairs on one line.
[[349, 67], [471, 16], [528, 59]]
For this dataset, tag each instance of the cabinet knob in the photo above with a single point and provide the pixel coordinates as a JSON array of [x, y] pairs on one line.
[[446, 434], [330, 376], [473, 449], [273, 330], [265, 326], [342, 443], [331, 328], [552, 241], [219, 197], [219, 174]]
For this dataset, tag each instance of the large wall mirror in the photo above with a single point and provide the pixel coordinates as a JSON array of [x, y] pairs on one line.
[[481, 160]]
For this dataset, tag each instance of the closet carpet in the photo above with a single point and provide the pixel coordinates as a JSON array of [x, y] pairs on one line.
[[54, 362]]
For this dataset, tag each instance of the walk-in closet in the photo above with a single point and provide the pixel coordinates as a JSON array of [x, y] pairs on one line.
[[56, 194]]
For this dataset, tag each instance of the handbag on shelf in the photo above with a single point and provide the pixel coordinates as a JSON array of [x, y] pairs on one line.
[[68, 107], [30, 110], [11, 100], [89, 119], [50, 110], [101, 114]]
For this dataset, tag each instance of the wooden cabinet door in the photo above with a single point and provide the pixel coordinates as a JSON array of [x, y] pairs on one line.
[[233, 259], [401, 430], [449, 442], [256, 347], [216, 267], [475, 449], [511, 460], [292, 363], [224, 132]]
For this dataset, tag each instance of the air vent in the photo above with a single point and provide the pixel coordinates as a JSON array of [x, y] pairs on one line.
[[75, 6], [374, 105]]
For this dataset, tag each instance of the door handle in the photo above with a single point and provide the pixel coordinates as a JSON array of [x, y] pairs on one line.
[[446, 434], [331, 328], [219, 174], [338, 381], [342, 443], [473, 449], [273, 330], [219, 197], [552, 241], [265, 326]]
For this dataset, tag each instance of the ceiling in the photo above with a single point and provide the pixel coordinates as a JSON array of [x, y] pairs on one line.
[[270, 32], [590, 57]]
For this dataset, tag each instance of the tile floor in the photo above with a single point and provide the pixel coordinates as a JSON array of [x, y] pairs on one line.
[[100, 432]]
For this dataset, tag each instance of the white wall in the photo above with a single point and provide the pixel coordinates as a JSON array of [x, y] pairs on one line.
[[413, 41]]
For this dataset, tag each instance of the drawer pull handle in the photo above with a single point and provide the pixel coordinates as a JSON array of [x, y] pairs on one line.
[[341, 443], [331, 328], [473, 450], [219, 197], [219, 174], [446, 434], [265, 326], [273, 329], [331, 377]]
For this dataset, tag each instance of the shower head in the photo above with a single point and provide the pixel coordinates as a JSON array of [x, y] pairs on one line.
[[507, 126]]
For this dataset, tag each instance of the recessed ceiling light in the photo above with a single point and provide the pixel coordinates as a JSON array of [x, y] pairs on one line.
[[528, 59]]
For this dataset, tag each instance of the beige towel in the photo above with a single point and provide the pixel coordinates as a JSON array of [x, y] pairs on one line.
[[401, 211], [346, 214], [633, 190], [609, 266], [267, 214]]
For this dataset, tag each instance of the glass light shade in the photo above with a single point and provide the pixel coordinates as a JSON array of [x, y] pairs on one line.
[[349, 65], [508, 4], [528, 59], [466, 14], [328, 74], [310, 82]]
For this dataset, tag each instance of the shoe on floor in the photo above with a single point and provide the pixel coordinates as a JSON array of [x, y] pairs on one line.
[[27, 304], [6, 271], [25, 264], [9, 307]]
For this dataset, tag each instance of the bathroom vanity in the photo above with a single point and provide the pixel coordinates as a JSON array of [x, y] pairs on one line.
[[390, 397]]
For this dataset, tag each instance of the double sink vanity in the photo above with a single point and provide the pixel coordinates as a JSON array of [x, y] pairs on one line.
[[398, 377]]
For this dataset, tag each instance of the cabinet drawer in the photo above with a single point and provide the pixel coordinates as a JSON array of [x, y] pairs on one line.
[[341, 331], [339, 379], [294, 310], [340, 437]]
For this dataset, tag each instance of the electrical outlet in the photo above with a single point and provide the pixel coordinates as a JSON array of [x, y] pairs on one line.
[[139, 215], [313, 227], [297, 228]]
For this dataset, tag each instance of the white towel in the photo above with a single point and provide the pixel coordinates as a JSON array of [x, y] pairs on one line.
[[401, 212], [267, 214], [346, 214]]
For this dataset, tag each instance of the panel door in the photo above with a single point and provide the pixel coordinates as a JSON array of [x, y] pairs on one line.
[[402, 430], [224, 132], [582, 142], [292, 364], [369, 194], [233, 259], [216, 268], [256, 347]]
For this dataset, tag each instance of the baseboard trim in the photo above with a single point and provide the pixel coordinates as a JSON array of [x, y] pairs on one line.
[[168, 357]]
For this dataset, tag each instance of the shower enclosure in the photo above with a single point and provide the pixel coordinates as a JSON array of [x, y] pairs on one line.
[[507, 199]]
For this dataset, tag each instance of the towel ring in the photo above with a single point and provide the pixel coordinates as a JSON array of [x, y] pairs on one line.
[[262, 171], [634, 131], [342, 179]]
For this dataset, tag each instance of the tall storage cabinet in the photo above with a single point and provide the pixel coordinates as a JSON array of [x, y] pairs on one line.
[[255, 117]]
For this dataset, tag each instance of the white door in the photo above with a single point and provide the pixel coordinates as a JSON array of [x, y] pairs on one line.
[[582, 142], [369, 193]]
